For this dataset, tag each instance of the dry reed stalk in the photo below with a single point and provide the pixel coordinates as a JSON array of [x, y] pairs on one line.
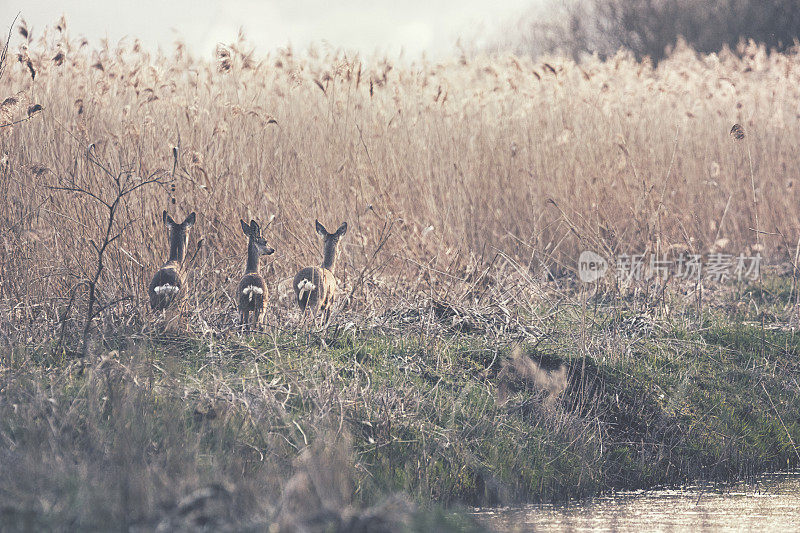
[[428, 147]]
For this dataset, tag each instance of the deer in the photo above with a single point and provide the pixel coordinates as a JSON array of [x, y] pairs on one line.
[[252, 291], [169, 283], [315, 287]]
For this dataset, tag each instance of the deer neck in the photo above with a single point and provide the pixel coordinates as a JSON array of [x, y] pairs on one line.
[[329, 258], [252, 259], [177, 247]]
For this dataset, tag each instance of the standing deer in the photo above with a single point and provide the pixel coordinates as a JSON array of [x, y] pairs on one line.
[[168, 288], [315, 287], [252, 290]]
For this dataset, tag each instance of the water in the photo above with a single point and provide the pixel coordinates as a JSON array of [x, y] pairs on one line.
[[770, 504]]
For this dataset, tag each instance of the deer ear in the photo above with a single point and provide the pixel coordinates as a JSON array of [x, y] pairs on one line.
[[321, 229], [245, 227], [255, 228], [189, 222], [342, 229], [168, 220], [164, 217]]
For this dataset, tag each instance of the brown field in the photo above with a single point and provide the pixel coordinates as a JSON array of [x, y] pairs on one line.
[[463, 365], [441, 169]]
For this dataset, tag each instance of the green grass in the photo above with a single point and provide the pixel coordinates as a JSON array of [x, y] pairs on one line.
[[441, 418]]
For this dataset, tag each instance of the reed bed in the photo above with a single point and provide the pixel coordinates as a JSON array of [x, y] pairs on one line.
[[463, 361], [442, 169]]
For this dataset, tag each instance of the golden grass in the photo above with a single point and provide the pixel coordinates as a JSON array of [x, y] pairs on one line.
[[463, 183], [449, 163]]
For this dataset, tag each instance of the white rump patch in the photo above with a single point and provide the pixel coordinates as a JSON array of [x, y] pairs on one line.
[[167, 289], [250, 290], [304, 287]]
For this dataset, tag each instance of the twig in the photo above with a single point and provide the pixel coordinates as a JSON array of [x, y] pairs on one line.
[[385, 233]]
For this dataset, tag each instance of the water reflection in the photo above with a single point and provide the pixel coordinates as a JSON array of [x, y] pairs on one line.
[[770, 504]]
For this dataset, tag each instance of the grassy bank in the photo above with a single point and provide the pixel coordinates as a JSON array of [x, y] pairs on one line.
[[298, 427], [463, 363]]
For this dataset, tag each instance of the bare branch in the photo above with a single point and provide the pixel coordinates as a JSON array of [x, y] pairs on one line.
[[80, 190]]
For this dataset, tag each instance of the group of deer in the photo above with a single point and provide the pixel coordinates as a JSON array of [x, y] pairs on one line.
[[314, 287]]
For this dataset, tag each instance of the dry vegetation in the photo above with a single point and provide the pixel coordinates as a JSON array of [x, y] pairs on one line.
[[451, 164], [470, 187]]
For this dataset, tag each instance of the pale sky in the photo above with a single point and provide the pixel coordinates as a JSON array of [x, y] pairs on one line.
[[366, 26]]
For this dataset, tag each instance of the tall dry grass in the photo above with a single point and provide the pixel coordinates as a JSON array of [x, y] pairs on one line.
[[441, 169], [463, 183]]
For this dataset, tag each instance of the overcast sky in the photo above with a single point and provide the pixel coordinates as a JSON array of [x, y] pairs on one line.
[[367, 26]]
